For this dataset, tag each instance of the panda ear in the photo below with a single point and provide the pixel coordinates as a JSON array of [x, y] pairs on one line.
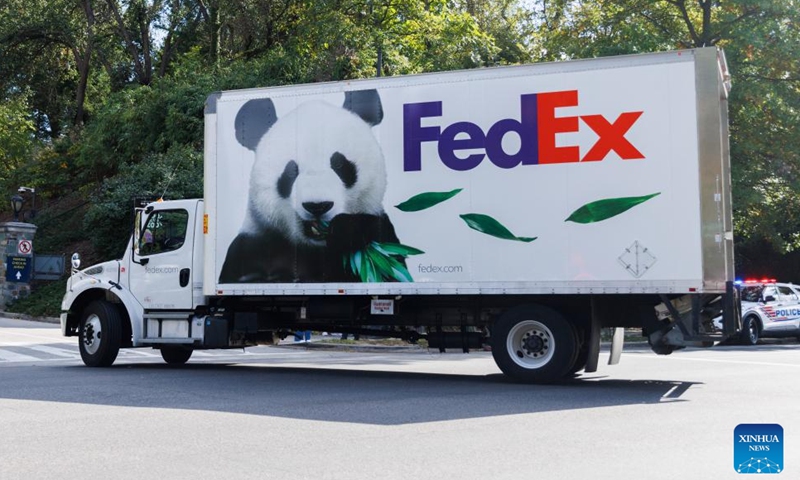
[[254, 120], [366, 104]]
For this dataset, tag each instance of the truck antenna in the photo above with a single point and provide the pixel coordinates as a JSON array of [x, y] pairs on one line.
[[170, 178]]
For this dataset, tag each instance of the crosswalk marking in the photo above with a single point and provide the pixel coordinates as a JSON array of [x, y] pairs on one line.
[[58, 352], [139, 351], [9, 356], [27, 351]]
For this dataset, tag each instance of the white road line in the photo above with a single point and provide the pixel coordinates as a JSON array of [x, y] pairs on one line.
[[50, 339], [59, 352], [139, 351], [9, 356]]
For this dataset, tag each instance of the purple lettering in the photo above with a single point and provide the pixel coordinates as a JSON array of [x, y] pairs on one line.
[[538, 126], [527, 131], [414, 133], [448, 144]]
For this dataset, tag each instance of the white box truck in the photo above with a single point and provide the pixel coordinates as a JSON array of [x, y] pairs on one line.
[[523, 207]]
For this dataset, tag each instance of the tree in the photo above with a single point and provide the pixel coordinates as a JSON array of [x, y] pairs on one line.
[[16, 134]]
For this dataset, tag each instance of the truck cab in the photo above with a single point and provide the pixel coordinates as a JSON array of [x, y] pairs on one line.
[[148, 297]]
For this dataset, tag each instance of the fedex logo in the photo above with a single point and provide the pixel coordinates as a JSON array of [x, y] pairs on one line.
[[537, 128]]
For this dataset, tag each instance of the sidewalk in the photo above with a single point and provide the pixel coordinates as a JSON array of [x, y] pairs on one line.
[[22, 316]]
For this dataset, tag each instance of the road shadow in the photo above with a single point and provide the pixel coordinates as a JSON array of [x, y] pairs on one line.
[[334, 395]]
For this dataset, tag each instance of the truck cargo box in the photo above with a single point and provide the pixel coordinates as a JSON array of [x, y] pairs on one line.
[[608, 175]]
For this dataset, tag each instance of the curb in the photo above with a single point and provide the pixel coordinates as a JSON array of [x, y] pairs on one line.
[[22, 316]]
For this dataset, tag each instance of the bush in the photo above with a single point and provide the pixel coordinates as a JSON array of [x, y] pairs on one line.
[[174, 175], [44, 300]]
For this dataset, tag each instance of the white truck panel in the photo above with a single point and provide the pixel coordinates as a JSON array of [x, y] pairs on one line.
[[659, 245]]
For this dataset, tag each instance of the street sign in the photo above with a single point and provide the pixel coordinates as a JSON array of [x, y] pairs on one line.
[[48, 267], [25, 247], [18, 269]]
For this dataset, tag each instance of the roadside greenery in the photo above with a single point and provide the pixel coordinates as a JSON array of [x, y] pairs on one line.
[[44, 300]]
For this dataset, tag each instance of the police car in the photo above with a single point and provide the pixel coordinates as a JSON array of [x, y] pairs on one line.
[[769, 309]]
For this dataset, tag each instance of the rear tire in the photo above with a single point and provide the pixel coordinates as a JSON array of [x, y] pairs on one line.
[[750, 331], [534, 344], [100, 334], [582, 357], [176, 356]]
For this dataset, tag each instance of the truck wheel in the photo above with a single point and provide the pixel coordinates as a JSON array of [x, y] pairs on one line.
[[534, 344], [581, 351], [750, 331], [176, 356], [100, 334]]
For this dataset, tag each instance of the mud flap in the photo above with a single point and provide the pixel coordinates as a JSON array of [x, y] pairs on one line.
[[593, 357], [616, 345]]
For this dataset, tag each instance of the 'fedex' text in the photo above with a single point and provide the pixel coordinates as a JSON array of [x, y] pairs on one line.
[[537, 129]]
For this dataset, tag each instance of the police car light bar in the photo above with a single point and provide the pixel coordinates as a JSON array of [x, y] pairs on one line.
[[763, 280]]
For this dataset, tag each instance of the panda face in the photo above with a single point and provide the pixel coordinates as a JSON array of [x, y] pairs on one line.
[[314, 163]]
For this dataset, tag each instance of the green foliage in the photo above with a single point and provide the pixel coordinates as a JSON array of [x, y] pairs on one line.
[[145, 120], [16, 134], [43, 301], [173, 175]]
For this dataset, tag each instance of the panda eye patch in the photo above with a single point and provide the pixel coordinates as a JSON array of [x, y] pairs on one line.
[[345, 169], [287, 178]]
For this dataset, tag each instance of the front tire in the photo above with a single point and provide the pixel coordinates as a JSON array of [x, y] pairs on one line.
[[534, 344], [100, 334], [176, 356], [750, 331]]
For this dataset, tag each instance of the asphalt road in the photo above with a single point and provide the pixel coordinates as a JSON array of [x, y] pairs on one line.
[[295, 413]]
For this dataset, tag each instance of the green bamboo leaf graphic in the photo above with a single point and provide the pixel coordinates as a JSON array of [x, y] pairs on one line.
[[397, 249], [365, 270], [382, 266], [355, 262], [604, 209], [426, 200], [490, 226], [399, 272]]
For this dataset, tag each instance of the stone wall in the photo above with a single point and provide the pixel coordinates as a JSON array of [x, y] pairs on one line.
[[11, 233]]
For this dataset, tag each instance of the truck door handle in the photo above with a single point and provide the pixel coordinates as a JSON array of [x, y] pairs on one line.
[[184, 277]]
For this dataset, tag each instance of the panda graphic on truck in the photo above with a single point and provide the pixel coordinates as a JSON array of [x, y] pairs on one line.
[[316, 191]]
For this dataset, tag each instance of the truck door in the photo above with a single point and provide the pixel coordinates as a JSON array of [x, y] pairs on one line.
[[160, 275]]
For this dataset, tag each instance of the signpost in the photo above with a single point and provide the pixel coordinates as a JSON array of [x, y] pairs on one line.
[[18, 269], [24, 247]]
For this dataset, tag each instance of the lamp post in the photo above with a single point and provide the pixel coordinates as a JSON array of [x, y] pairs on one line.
[[16, 206], [32, 191]]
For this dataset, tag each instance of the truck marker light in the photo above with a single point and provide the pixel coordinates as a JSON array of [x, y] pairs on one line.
[[536, 128]]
